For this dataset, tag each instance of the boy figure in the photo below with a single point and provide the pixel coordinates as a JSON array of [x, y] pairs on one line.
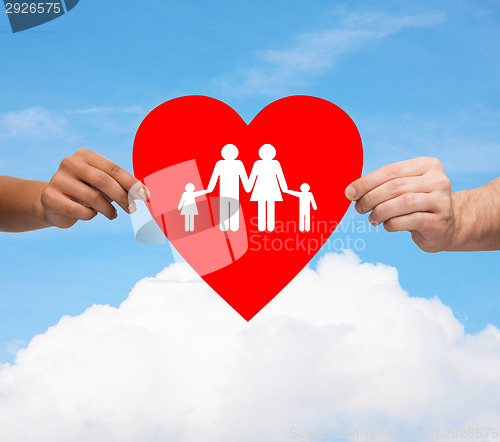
[[306, 200]]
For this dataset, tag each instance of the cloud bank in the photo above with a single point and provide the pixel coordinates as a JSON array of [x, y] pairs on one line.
[[344, 346]]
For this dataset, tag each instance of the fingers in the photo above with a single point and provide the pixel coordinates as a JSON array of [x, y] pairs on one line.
[[118, 174], [81, 193], [411, 223], [412, 195], [393, 189], [113, 182], [109, 187], [68, 210], [403, 205], [87, 183], [408, 168]]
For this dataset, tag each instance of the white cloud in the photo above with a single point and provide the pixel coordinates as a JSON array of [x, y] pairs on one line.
[[314, 53], [15, 345], [35, 123], [107, 110], [46, 136], [174, 362], [33, 141], [111, 120]]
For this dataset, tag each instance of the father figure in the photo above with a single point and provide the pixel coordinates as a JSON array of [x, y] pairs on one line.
[[229, 171]]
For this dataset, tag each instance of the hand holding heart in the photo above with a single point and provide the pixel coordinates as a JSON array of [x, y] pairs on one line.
[[86, 184], [413, 195]]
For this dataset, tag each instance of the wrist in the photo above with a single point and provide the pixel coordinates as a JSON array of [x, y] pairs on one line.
[[463, 219], [38, 211], [477, 215]]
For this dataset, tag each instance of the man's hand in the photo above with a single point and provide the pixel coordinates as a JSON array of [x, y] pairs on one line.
[[413, 195], [86, 184]]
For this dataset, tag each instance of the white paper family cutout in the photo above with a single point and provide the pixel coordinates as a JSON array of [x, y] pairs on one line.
[[266, 182]]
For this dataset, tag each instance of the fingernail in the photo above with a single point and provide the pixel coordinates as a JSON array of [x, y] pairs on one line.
[[115, 215], [132, 208], [358, 209], [350, 193], [372, 221], [143, 193]]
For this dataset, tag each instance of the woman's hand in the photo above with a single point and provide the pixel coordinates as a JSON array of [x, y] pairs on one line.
[[86, 184]]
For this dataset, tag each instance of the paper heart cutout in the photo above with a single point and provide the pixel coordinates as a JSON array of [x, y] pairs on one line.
[[180, 142]]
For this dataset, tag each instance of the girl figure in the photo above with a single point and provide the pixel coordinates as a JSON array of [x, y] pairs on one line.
[[188, 207], [268, 179]]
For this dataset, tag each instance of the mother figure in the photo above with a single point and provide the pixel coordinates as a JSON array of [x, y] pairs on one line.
[[268, 178]]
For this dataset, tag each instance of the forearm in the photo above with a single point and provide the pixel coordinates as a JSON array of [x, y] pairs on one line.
[[477, 218], [282, 183], [212, 184], [20, 205]]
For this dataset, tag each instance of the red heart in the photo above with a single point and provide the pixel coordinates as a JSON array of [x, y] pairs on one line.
[[180, 142]]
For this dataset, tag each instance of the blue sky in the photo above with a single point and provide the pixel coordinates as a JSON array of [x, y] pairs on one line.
[[418, 78]]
